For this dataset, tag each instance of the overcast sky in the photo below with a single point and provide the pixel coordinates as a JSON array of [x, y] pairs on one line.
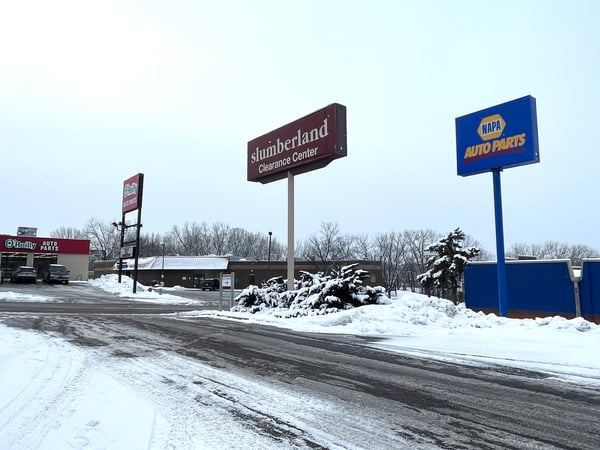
[[92, 93]]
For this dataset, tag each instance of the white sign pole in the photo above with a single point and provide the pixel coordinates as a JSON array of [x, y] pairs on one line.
[[290, 252]]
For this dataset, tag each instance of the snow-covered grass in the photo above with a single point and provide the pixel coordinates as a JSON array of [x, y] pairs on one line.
[[56, 395], [19, 297], [109, 283]]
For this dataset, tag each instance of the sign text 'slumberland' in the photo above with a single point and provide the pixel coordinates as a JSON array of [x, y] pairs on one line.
[[306, 144]]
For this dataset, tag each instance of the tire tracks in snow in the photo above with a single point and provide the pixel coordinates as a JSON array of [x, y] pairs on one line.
[[51, 385]]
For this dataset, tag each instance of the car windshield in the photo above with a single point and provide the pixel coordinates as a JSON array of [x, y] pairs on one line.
[[58, 270], [26, 269]]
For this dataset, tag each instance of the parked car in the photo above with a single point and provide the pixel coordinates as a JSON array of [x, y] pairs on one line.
[[210, 284], [55, 273], [24, 274]]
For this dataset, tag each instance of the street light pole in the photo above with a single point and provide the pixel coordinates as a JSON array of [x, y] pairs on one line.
[[120, 227], [269, 258]]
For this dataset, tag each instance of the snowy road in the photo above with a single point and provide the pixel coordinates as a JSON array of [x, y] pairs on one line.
[[192, 382]]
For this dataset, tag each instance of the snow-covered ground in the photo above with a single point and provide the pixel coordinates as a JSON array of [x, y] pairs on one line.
[[56, 395]]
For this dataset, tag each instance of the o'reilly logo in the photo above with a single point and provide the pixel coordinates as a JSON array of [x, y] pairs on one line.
[[19, 245], [130, 189]]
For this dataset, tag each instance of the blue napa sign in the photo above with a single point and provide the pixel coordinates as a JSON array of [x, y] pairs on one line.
[[498, 137]]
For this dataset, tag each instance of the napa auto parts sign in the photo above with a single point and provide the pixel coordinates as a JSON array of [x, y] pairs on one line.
[[132, 193], [498, 137], [306, 144]]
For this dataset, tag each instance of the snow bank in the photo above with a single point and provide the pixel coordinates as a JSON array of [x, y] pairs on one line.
[[110, 283], [18, 297]]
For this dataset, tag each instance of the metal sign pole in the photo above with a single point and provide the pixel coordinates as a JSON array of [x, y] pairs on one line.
[[502, 297], [221, 292], [138, 229], [121, 246], [231, 289], [290, 252]]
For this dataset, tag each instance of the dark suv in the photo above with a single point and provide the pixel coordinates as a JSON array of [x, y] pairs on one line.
[[24, 274], [211, 284], [55, 273]]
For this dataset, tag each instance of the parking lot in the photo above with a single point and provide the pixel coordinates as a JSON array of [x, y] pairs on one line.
[[84, 292]]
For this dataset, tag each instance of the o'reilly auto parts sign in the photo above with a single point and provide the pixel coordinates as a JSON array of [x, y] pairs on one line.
[[20, 244], [132, 193], [306, 144]]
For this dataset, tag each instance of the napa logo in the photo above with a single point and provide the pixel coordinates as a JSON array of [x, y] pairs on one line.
[[490, 130], [491, 127]]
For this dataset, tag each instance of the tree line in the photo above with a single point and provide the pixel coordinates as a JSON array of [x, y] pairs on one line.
[[189, 239], [404, 254]]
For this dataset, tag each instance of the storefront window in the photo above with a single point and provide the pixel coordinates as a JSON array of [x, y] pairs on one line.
[[42, 260]]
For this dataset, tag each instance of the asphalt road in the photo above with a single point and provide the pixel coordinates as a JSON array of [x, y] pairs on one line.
[[89, 299], [376, 399]]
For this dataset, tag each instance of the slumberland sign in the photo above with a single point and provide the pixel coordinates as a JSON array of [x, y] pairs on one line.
[[306, 144]]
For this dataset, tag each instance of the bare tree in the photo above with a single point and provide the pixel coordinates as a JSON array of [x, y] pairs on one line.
[[218, 238], [68, 233], [520, 249], [418, 242], [580, 251], [327, 246], [278, 250], [483, 254], [221, 239], [104, 239], [249, 245], [151, 244], [390, 248], [553, 250], [239, 242], [189, 239], [403, 254], [361, 247]]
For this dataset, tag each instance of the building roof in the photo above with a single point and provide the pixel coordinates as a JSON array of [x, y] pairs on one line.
[[177, 263]]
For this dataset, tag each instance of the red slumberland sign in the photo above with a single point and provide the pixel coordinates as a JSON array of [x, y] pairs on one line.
[[306, 144], [132, 193], [27, 244]]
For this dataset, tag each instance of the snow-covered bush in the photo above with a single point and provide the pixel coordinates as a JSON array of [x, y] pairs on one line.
[[315, 294], [445, 268]]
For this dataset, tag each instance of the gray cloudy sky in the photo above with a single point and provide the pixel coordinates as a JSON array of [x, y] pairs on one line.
[[94, 92]]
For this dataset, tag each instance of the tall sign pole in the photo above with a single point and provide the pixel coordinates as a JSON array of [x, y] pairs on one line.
[[121, 245], [138, 229], [133, 188], [489, 140], [290, 237], [306, 144], [501, 260]]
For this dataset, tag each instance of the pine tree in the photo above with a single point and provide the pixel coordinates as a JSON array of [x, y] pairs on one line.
[[445, 268]]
